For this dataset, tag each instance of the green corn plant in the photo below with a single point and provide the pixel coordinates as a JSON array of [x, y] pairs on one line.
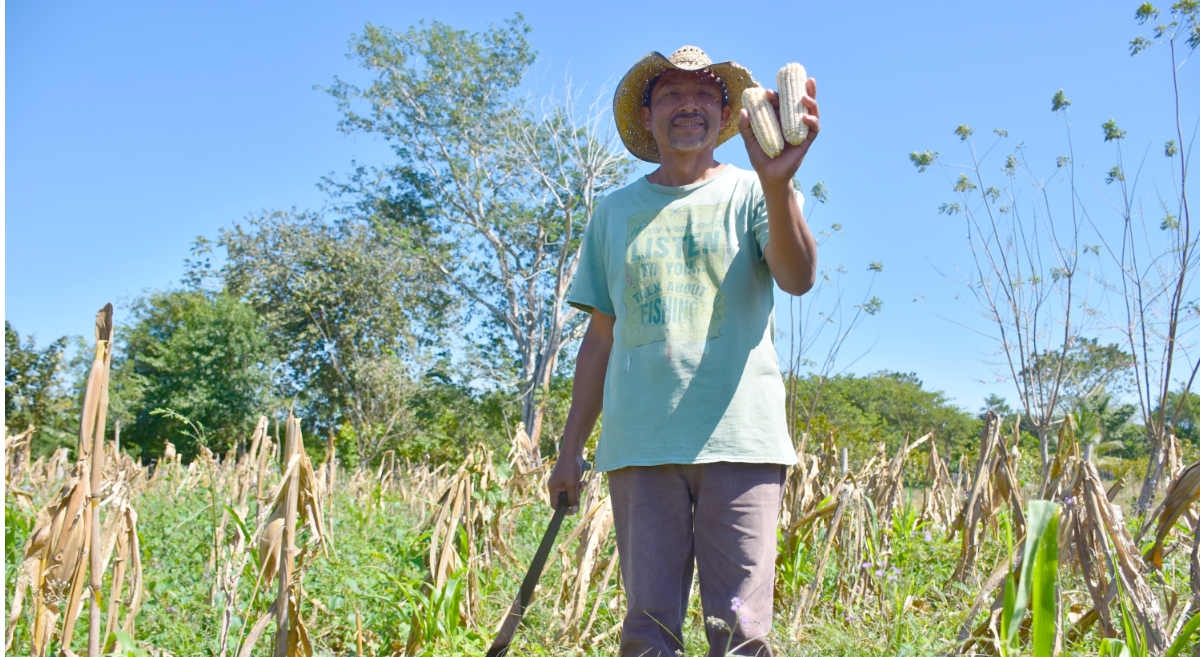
[[128, 648], [792, 565], [438, 615], [1185, 635], [1135, 644], [1035, 591], [1114, 648]]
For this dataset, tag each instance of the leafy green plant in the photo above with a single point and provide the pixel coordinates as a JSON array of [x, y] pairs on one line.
[[128, 647], [438, 616], [791, 565], [1035, 590]]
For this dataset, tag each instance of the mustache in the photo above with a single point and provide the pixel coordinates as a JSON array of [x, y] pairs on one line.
[[690, 115]]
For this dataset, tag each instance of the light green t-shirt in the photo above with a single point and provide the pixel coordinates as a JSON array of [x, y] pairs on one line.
[[693, 376]]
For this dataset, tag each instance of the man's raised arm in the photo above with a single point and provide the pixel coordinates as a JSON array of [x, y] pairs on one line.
[[791, 253]]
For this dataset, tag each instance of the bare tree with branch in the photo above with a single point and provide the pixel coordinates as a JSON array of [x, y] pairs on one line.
[[1024, 266], [503, 185], [1156, 314]]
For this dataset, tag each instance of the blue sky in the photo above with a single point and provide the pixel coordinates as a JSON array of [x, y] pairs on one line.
[[132, 128]]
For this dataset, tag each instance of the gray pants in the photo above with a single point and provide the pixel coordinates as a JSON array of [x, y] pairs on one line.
[[724, 516]]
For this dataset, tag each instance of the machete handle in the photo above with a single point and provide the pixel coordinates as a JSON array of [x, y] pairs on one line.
[[562, 497]]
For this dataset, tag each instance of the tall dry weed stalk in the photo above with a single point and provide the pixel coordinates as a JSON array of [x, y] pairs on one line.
[[234, 553]]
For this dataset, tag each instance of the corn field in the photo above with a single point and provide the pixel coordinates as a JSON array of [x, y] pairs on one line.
[[264, 552]]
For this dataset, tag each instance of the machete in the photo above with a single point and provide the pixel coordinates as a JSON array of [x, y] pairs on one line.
[[513, 619]]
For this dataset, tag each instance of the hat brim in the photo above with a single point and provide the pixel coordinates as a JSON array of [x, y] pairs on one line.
[[631, 93]]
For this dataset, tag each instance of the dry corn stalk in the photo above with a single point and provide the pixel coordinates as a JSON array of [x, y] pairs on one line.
[[54, 564], [1124, 562], [939, 504], [296, 504], [524, 455], [977, 504], [120, 548], [1058, 477], [16, 454], [457, 510], [1181, 493], [809, 482], [387, 471], [851, 537], [609, 569], [168, 463], [1174, 457], [844, 495], [235, 553], [91, 437], [888, 489], [69, 529]]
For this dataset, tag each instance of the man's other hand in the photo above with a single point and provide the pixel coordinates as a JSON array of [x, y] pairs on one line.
[[587, 399]]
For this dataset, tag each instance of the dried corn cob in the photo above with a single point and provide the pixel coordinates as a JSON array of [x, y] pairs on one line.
[[762, 119], [792, 81]]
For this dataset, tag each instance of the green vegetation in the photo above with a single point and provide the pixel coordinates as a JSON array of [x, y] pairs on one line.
[[884, 407], [37, 391], [203, 355]]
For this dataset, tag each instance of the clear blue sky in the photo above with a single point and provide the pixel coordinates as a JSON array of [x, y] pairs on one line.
[[134, 127]]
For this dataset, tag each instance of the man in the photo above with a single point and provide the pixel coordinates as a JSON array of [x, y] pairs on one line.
[[676, 270]]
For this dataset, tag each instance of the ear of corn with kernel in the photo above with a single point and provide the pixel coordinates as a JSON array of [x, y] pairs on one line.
[[792, 81], [762, 119]]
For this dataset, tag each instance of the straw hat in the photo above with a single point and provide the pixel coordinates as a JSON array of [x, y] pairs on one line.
[[631, 95]]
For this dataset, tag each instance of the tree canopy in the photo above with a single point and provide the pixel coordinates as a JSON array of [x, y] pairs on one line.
[[203, 355], [345, 308], [37, 391], [885, 407]]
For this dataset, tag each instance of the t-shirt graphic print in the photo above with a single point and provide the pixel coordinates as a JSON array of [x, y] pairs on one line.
[[675, 262]]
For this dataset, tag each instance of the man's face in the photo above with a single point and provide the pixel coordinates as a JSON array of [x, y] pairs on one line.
[[686, 111]]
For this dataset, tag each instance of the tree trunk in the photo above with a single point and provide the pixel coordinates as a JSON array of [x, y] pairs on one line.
[[1154, 469], [533, 410], [1043, 434]]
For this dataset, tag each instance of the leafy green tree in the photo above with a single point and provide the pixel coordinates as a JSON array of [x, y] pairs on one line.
[[346, 308], [492, 189], [203, 355], [451, 417], [1105, 423], [1088, 369], [996, 404], [886, 407], [1187, 419], [37, 391]]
